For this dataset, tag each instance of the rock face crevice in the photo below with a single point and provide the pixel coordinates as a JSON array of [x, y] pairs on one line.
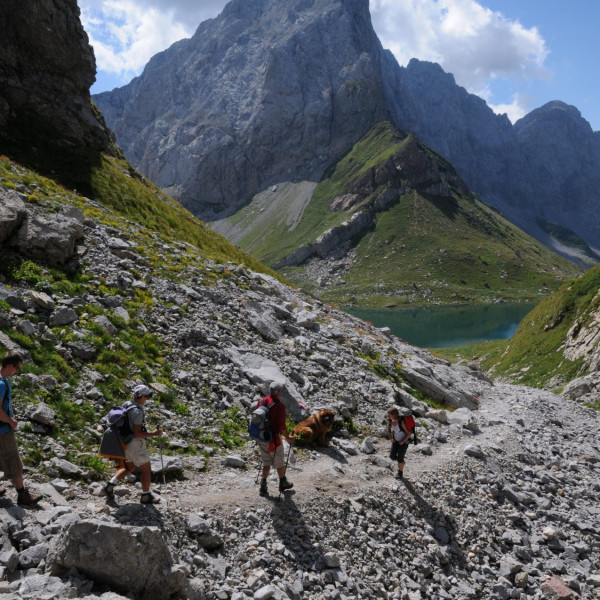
[[47, 119]]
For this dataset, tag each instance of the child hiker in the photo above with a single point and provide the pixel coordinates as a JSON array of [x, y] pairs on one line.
[[399, 430]]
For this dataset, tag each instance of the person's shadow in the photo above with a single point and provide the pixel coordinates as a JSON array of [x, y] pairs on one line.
[[295, 533], [443, 525]]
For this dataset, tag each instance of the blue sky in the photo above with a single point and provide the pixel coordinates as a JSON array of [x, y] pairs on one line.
[[516, 54]]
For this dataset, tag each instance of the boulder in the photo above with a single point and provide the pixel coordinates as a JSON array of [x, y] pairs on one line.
[[129, 559], [43, 414], [262, 371], [12, 213], [63, 316], [52, 238]]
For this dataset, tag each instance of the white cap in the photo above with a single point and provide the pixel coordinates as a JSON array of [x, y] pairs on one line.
[[141, 390]]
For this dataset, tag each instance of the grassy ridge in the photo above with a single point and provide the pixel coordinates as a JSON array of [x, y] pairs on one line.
[[272, 243], [450, 249], [116, 185], [534, 354]]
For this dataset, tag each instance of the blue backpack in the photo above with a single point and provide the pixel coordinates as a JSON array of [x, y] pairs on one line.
[[119, 421], [259, 427]]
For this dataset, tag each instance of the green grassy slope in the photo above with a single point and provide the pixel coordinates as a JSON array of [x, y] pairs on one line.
[[277, 239], [424, 249], [450, 251], [534, 354], [116, 185]]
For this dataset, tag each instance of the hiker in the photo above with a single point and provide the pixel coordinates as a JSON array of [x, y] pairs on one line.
[[271, 453], [136, 453], [10, 459], [399, 431]]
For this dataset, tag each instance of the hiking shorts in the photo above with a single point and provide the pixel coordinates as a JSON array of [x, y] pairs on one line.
[[271, 459], [137, 453], [10, 459], [398, 451]]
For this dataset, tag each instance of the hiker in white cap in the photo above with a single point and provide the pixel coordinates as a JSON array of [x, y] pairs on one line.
[[136, 452]]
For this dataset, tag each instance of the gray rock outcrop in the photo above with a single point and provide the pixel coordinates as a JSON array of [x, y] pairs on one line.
[[256, 104], [12, 213], [132, 559]]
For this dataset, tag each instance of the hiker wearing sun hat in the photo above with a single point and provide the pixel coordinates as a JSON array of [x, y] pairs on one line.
[[136, 452]]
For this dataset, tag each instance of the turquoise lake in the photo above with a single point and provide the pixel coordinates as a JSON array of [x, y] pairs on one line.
[[439, 326]]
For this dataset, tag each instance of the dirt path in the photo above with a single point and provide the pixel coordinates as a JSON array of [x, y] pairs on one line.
[[327, 471], [331, 472]]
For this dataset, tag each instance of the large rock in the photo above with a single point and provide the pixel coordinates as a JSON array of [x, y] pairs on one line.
[[262, 371], [12, 213], [52, 238], [443, 384], [130, 559]]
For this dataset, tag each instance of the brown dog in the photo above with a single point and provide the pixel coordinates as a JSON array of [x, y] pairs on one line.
[[312, 431]]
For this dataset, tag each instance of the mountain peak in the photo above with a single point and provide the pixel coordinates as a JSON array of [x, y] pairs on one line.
[[266, 90]]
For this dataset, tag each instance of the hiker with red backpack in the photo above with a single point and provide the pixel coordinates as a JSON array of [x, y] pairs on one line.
[[400, 429], [271, 452]]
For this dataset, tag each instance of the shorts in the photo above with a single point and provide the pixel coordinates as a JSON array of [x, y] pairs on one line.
[[398, 451], [10, 459], [136, 452], [271, 459]]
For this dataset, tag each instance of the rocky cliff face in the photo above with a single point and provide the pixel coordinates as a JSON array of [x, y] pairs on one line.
[[46, 69], [274, 91], [482, 146], [267, 90], [562, 156]]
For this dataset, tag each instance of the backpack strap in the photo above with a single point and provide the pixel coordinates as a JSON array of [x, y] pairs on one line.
[[129, 405], [6, 384]]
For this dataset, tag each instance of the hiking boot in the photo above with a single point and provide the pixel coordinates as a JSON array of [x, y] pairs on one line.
[[26, 498], [109, 489], [284, 484], [399, 475], [149, 498], [263, 488]]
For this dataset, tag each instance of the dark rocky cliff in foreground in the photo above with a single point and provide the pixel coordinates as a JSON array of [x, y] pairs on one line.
[[273, 91], [47, 120]]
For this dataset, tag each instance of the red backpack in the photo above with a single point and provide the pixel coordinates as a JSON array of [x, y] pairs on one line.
[[410, 423]]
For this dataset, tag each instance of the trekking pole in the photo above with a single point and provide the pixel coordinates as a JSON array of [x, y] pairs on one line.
[[162, 464], [258, 472], [286, 466]]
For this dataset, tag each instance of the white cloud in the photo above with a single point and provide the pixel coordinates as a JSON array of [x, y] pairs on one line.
[[126, 34], [514, 111], [188, 12], [470, 41]]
